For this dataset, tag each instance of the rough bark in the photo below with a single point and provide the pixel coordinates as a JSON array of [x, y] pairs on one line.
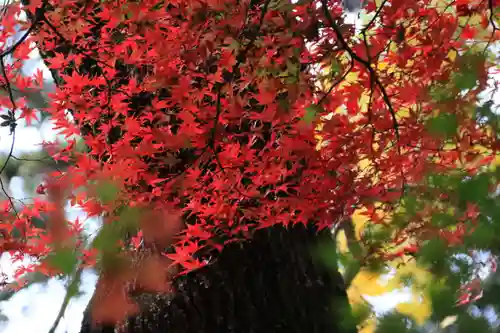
[[273, 283]]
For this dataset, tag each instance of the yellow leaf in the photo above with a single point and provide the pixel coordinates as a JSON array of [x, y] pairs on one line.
[[420, 276], [368, 326], [418, 309], [403, 113], [359, 221], [354, 296], [382, 65], [368, 283], [350, 78], [496, 161], [342, 242]]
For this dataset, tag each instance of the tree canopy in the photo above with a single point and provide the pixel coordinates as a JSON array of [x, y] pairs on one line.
[[191, 125]]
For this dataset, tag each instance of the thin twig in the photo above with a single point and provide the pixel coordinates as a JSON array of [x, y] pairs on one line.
[[492, 14], [367, 64], [20, 40], [74, 281], [73, 47], [38, 15], [4, 190], [377, 13], [336, 83]]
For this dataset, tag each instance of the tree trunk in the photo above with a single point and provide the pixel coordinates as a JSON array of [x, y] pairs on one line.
[[273, 283]]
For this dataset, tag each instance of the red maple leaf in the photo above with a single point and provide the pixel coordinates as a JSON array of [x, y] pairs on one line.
[[28, 114]]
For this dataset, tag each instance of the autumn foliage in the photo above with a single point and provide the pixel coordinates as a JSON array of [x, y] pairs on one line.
[[218, 118]]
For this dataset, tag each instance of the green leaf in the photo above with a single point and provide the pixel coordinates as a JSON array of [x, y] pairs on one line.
[[410, 204], [443, 220], [235, 45], [291, 67], [129, 219], [327, 254], [376, 266], [355, 316], [377, 233], [482, 236], [394, 323], [107, 238], [466, 79], [311, 112], [466, 323], [475, 189], [442, 299], [335, 66], [352, 267], [107, 192], [444, 124], [63, 259], [433, 253], [441, 93]]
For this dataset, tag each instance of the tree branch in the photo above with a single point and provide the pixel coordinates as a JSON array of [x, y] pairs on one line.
[[367, 64]]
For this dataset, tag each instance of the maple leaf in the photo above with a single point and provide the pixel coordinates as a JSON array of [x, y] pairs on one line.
[[38, 76], [468, 32], [29, 115], [183, 256]]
